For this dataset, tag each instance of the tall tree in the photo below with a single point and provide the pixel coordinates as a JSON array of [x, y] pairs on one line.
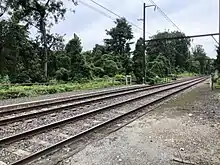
[[217, 61], [176, 51], [40, 14], [19, 56], [4, 5], [79, 68], [200, 56], [11, 37], [119, 42], [160, 66], [138, 61]]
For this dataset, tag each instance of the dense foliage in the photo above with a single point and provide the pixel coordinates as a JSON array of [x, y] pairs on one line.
[[168, 57], [47, 57], [217, 61]]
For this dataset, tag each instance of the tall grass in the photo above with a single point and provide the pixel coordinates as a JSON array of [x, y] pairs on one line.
[[8, 92], [186, 74]]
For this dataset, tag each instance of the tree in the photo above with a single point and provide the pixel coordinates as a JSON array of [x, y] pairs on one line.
[[176, 51], [79, 68], [119, 43], [4, 5], [40, 14], [200, 56], [19, 56], [217, 61], [57, 57], [138, 61], [12, 37], [160, 66]]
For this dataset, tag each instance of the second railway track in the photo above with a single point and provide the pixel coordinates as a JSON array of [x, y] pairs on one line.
[[75, 99], [24, 111], [16, 148], [30, 120]]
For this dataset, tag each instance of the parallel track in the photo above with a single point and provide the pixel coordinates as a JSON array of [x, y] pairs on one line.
[[9, 114], [27, 106], [87, 122]]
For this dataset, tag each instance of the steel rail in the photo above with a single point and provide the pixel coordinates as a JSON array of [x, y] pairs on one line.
[[55, 109], [21, 107], [41, 103], [77, 117], [58, 145]]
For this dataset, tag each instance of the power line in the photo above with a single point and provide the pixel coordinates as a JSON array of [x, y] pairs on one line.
[[113, 13], [105, 8], [97, 10], [164, 14], [183, 37], [215, 40]]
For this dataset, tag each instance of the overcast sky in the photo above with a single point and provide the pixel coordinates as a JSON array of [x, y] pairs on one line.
[[191, 16]]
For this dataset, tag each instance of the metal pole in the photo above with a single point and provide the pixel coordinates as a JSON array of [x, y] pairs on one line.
[[219, 23], [144, 59]]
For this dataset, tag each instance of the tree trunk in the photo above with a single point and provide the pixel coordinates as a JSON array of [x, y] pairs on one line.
[[2, 60]]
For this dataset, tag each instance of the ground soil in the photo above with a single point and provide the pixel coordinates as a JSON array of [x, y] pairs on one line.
[[184, 129]]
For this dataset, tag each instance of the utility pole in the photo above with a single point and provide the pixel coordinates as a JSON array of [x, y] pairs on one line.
[[144, 45], [144, 38]]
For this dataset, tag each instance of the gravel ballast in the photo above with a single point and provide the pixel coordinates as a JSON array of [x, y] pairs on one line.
[[184, 129], [84, 124], [21, 126], [5, 102]]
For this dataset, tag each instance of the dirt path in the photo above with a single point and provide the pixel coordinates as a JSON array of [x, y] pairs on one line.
[[186, 128]]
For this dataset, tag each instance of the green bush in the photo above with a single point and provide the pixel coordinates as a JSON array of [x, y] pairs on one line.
[[62, 74], [173, 76], [218, 81], [119, 77], [35, 90], [4, 79]]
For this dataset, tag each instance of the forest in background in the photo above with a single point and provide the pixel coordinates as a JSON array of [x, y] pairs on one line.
[[47, 58]]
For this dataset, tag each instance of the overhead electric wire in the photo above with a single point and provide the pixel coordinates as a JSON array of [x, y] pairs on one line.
[[114, 13], [164, 14], [215, 40], [105, 8], [95, 9], [183, 37]]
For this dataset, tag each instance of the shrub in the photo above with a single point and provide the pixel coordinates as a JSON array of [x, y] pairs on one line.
[[62, 74], [154, 80], [4, 79], [218, 81], [34, 90], [53, 81], [173, 76], [119, 77]]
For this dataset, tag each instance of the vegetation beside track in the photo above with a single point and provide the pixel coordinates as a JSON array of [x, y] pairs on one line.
[[217, 84], [9, 91], [16, 91], [186, 74]]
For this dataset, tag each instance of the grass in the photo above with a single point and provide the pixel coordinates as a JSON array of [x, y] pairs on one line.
[[186, 74], [8, 92], [166, 80], [216, 85]]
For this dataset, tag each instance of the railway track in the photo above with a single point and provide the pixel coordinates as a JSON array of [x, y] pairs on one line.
[[28, 110], [34, 105], [25, 138]]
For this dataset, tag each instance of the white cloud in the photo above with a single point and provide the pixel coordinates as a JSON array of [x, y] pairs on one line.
[[192, 17]]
